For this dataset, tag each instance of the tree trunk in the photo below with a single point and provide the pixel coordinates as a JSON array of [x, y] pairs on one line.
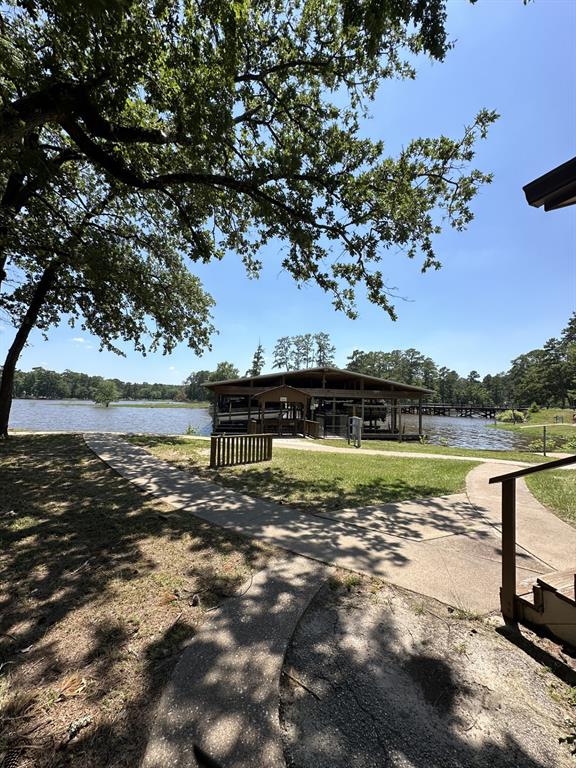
[[7, 382]]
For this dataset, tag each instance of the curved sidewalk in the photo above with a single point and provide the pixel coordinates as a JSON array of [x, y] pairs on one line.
[[224, 693], [541, 533], [442, 547]]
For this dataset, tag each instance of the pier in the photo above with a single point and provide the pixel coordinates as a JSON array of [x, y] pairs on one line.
[[465, 411]]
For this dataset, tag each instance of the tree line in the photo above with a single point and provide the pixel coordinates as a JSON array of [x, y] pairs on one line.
[[546, 376], [46, 384]]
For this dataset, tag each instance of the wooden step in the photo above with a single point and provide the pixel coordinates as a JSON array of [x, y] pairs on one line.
[[562, 582]]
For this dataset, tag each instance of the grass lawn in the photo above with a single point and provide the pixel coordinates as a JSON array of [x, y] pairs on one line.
[[97, 586], [556, 489], [313, 480], [535, 421], [416, 447]]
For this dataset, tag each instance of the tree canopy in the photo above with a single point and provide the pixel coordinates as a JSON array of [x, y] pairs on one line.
[[141, 136]]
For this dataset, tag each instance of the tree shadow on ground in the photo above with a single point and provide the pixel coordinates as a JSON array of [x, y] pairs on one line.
[[365, 692], [101, 588], [80, 547]]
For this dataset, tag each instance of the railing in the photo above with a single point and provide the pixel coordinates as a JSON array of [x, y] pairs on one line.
[[230, 450], [508, 589], [309, 428], [285, 426]]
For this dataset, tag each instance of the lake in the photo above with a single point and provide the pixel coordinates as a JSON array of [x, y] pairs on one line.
[[85, 416], [79, 416]]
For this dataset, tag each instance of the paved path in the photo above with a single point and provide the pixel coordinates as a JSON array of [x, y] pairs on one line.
[[301, 444], [309, 445], [448, 547], [224, 693], [539, 531]]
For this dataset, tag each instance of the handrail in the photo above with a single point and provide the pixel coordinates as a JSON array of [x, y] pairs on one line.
[[537, 468], [508, 598]]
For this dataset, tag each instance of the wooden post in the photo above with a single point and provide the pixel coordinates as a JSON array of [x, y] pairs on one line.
[[544, 439], [334, 415], [213, 440], [508, 589], [420, 417]]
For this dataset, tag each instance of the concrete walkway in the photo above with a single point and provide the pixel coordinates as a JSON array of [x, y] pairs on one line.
[[542, 533], [303, 444], [311, 445], [448, 547], [224, 693]]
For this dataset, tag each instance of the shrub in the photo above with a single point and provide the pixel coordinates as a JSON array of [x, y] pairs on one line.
[[552, 444], [534, 408], [511, 416]]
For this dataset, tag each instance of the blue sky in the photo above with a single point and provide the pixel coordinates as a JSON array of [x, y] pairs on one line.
[[507, 284]]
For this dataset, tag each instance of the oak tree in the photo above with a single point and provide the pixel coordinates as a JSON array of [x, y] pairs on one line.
[[190, 128]]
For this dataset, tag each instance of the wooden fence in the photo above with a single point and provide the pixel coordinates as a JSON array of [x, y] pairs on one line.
[[229, 450]]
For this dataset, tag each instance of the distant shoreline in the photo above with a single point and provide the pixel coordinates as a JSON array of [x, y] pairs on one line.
[[119, 404]]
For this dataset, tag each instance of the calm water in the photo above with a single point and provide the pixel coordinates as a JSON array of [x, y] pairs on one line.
[[78, 416], [74, 416]]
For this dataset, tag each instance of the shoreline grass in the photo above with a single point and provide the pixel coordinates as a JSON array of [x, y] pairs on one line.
[[121, 403], [534, 422], [152, 404]]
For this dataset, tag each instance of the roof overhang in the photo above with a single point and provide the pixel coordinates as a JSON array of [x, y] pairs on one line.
[[328, 373], [555, 189]]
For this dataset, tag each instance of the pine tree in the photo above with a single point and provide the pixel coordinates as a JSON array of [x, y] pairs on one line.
[[283, 353], [257, 361], [325, 351]]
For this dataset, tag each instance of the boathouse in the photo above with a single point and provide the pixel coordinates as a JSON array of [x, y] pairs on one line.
[[317, 402]]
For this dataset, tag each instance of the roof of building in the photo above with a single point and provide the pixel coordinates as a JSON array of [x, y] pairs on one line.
[[555, 189], [328, 373], [286, 388]]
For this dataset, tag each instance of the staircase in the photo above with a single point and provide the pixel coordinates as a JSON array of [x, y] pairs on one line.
[[550, 599], [551, 602]]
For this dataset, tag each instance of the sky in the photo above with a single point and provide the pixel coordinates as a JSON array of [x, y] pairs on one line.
[[507, 284]]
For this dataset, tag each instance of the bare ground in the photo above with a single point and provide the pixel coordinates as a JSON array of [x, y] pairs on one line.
[[377, 676]]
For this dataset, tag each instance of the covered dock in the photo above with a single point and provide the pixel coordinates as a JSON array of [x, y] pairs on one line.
[[317, 402]]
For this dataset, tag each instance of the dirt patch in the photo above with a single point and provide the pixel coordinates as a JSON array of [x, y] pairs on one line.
[[100, 590], [376, 676]]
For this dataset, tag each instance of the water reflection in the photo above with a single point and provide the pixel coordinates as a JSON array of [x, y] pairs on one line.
[[468, 433], [74, 416]]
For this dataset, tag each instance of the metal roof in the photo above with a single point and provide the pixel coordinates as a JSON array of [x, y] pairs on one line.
[[326, 372]]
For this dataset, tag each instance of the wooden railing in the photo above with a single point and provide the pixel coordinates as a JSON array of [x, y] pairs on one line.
[[309, 428], [230, 450], [508, 589], [303, 426]]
